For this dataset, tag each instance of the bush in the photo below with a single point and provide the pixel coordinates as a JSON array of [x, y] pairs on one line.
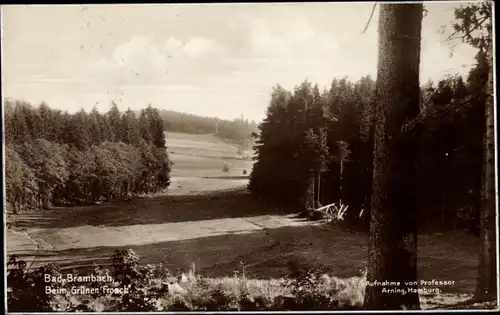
[[152, 288], [225, 168], [27, 288], [305, 286]]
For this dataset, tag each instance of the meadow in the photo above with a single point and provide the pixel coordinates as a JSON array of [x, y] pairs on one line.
[[198, 162], [207, 218]]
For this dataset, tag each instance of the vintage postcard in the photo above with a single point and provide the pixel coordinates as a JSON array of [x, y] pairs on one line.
[[262, 157]]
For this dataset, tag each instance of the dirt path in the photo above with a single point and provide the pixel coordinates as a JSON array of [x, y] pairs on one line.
[[68, 235], [27, 247]]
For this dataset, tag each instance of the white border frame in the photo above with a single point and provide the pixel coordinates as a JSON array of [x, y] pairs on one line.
[[281, 312]]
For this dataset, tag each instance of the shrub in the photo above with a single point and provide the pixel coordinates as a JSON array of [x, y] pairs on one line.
[[142, 296], [305, 289], [26, 292]]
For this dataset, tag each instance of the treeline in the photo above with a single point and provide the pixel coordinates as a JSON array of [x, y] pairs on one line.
[[316, 147], [237, 130], [54, 158]]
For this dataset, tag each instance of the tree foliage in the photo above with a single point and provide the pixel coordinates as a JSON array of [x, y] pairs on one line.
[[474, 24], [60, 158], [450, 147]]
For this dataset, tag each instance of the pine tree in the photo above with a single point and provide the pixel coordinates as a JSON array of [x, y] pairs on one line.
[[393, 229], [20, 124], [95, 132], [144, 127], [9, 124], [268, 176], [469, 20], [130, 126], [156, 127], [115, 126], [78, 130], [45, 126]]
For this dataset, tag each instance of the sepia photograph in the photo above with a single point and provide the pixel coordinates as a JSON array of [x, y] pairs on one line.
[[263, 157]]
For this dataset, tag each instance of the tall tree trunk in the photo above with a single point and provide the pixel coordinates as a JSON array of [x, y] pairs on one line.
[[343, 156], [486, 287], [368, 164], [308, 197], [393, 228], [313, 191], [318, 202]]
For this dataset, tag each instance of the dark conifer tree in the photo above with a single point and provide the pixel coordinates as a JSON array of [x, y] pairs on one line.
[[114, 121]]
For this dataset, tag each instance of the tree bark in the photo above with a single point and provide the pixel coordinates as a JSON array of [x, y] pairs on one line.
[[318, 202], [308, 199], [486, 286], [393, 226]]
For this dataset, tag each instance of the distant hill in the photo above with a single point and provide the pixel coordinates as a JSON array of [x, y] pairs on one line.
[[237, 131]]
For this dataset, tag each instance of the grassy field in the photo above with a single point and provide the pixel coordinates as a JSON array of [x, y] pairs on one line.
[[198, 161], [218, 232], [215, 224]]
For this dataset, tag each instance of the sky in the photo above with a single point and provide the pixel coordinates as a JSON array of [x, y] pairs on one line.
[[217, 60]]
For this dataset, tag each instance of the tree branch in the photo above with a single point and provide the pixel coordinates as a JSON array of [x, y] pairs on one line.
[[452, 109], [369, 19]]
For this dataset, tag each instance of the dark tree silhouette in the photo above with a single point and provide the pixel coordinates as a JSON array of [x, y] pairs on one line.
[[58, 158], [474, 25], [393, 226]]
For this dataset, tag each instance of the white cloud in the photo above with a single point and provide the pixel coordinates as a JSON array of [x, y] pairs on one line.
[[144, 53], [146, 60], [264, 43], [126, 52], [198, 47], [288, 55], [300, 50], [298, 39], [172, 44], [140, 53], [221, 70]]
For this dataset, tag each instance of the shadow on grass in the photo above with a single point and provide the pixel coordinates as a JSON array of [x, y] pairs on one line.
[[227, 177], [266, 254], [153, 210]]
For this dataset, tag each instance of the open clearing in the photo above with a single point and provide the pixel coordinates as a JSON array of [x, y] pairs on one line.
[[198, 161], [214, 223], [218, 231]]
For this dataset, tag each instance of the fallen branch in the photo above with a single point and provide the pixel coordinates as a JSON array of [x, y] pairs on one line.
[[325, 207], [334, 212]]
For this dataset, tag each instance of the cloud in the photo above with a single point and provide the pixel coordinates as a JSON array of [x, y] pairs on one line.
[[297, 40], [292, 51], [51, 79], [141, 52], [148, 56], [182, 88], [302, 50], [263, 42], [223, 69], [195, 48], [173, 44], [198, 47]]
